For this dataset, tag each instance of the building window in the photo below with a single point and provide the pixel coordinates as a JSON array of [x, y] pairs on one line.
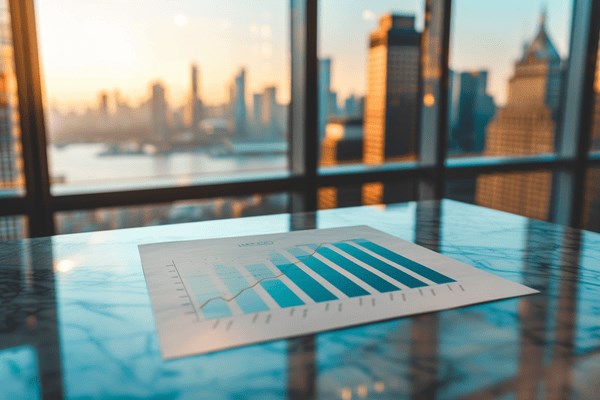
[[164, 95]]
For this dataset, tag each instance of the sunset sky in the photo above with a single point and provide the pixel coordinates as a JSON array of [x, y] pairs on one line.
[[93, 45]]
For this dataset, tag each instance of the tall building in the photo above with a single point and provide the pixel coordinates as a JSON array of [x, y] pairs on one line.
[[525, 126], [240, 118], [391, 109], [592, 188], [194, 106], [353, 106], [343, 141], [257, 129], [11, 179], [160, 127], [269, 111], [596, 117], [103, 104], [471, 111], [324, 94]]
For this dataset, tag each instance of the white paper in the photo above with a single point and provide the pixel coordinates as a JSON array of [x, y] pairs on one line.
[[210, 295]]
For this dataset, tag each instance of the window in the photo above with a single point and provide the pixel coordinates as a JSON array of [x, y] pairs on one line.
[[11, 164], [369, 77], [371, 193], [138, 124], [595, 145], [527, 193], [168, 94], [591, 210], [506, 59], [177, 212], [13, 228]]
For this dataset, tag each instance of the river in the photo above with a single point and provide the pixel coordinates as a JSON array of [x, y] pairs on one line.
[[80, 168]]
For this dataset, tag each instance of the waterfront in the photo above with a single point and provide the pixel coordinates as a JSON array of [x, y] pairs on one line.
[[81, 168]]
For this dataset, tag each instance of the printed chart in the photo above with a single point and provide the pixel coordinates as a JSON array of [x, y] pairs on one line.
[[210, 295]]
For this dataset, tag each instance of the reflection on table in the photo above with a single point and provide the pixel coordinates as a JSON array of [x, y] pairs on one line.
[[76, 319]]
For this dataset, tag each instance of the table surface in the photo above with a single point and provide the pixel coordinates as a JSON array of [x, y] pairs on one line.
[[76, 321]]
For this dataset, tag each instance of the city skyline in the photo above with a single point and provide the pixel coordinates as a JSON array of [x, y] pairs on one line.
[[156, 116], [126, 50]]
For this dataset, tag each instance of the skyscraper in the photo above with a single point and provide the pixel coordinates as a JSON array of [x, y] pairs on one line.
[[343, 141], [11, 178], [391, 109], [353, 106], [240, 118], [269, 111], [10, 134], [257, 128], [592, 188], [194, 106], [160, 128], [324, 94], [471, 111], [596, 117], [524, 126], [103, 104]]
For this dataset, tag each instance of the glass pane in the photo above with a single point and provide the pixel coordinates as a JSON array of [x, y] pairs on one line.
[[11, 164], [371, 193], [506, 59], [171, 93], [595, 147], [369, 62], [177, 212], [591, 210], [13, 228], [527, 193]]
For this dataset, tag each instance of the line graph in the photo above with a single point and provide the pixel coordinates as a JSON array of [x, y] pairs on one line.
[[230, 299], [214, 294]]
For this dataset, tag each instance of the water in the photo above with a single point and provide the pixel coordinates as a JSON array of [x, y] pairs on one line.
[[80, 168]]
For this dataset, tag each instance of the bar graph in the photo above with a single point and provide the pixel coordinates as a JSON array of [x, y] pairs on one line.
[[215, 294]]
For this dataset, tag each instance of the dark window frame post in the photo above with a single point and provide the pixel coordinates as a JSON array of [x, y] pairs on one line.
[[304, 103], [32, 124], [435, 50], [576, 123]]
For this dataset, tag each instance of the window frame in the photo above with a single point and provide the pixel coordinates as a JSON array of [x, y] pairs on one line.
[[305, 177]]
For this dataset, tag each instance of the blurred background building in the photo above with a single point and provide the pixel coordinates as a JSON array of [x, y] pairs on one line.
[[526, 125]]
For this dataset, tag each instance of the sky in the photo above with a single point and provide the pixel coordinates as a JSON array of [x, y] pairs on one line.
[[95, 45]]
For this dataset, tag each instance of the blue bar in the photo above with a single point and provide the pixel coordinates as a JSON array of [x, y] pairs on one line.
[[384, 267], [217, 308], [246, 297], [338, 280], [304, 281], [204, 289], [282, 294], [367, 276], [405, 262]]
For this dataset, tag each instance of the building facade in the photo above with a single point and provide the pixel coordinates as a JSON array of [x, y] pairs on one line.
[[160, 126], [11, 179], [525, 126], [391, 105], [471, 111], [324, 94], [193, 114], [240, 117]]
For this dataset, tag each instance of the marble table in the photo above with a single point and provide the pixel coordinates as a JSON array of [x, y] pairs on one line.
[[76, 321]]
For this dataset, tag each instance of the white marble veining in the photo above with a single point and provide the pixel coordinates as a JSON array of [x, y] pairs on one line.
[[76, 322]]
